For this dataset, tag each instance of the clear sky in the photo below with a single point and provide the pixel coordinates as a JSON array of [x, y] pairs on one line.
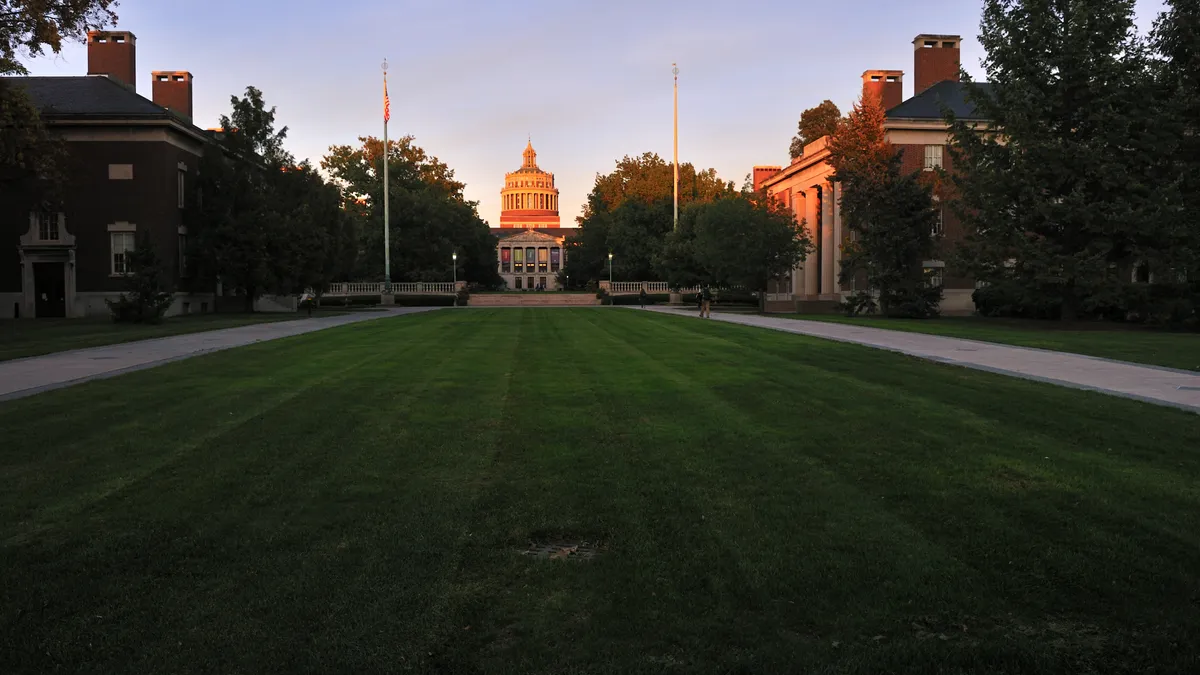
[[589, 80]]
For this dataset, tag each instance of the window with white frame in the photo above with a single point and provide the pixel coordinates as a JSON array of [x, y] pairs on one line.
[[47, 226], [939, 223], [181, 186], [933, 157], [122, 244]]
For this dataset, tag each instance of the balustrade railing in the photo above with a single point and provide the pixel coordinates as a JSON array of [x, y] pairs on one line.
[[351, 288]]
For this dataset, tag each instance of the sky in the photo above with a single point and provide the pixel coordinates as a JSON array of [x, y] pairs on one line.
[[589, 81]]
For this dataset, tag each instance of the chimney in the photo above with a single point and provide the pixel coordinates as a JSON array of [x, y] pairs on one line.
[[113, 53], [935, 59], [886, 85], [762, 173], [173, 91]]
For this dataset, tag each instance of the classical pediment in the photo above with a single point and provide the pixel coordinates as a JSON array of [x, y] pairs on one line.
[[530, 237]]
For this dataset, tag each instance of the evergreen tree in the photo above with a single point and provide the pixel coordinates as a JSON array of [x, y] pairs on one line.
[[890, 215], [1057, 192]]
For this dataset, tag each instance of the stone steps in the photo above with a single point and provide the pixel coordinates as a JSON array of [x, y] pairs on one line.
[[533, 299]]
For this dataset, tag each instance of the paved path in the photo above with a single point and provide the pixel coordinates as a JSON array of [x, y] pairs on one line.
[[25, 377], [1164, 386]]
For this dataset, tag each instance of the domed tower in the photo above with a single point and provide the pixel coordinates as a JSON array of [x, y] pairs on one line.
[[529, 198]]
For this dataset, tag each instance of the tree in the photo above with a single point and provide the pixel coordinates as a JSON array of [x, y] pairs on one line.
[[30, 157], [820, 120], [1057, 192], [890, 214], [429, 217], [1174, 252], [266, 223], [735, 241], [29, 27], [630, 211]]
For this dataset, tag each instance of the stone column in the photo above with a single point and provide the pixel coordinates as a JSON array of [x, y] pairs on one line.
[[827, 243], [838, 236], [810, 263]]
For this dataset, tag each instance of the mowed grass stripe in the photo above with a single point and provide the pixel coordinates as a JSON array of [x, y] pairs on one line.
[[769, 503]]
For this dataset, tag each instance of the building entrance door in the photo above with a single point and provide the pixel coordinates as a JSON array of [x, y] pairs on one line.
[[50, 290]]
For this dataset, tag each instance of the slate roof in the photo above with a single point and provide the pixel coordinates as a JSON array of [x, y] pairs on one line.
[[928, 104], [87, 96]]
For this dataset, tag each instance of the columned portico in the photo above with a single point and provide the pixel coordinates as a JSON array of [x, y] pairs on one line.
[[529, 259]]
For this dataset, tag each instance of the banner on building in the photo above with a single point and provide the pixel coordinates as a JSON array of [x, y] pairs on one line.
[[555, 258]]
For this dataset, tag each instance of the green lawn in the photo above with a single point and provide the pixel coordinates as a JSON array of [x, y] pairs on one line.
[[356, 500], [32, 337], [1137, 344]]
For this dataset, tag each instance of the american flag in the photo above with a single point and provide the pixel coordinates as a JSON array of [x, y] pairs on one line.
[[387, 103]]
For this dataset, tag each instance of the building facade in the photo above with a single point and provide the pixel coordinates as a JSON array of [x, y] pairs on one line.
[[917, 129], [530, 252], [130, 172]]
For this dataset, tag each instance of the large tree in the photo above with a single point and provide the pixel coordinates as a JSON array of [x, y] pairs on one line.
[[429, 218], [1057, 193], [29, 28], [265, 223], [1175, 254], [890, 215], [629, 213], [736, 241], [819, 120]]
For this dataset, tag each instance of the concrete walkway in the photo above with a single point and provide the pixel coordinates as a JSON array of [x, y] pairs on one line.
[[25, 377], [1163, 386]]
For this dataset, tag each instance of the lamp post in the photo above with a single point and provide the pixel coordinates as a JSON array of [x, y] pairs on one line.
[[454, 265], [610, 286]]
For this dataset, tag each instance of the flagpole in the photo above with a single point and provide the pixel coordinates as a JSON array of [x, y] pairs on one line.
[[675, 72], [387, 244]]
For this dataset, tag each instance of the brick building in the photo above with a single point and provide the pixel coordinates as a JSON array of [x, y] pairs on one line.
[[130, 170], [530, 250], [918, 130]]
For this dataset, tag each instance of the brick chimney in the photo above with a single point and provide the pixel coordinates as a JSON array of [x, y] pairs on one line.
[[762, 173], [887, 85], [173, 90], [113, 53], [935, 59]]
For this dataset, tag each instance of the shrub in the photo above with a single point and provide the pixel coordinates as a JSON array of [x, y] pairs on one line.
[[462, 297], [651, 299], [860, 303], [425, 300]]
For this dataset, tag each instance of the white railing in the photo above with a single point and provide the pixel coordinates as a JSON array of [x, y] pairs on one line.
[[352, 288], [633, 287]]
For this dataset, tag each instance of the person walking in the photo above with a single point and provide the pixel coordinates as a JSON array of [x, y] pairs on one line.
[[642, 297], [705, 303]]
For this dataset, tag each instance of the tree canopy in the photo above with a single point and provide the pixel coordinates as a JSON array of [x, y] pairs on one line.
[[819, 120], [429, 217], [630, 211], [29, 28], [265, 223]]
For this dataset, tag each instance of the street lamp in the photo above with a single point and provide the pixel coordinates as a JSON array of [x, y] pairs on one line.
[[454, 265], [610, 286]]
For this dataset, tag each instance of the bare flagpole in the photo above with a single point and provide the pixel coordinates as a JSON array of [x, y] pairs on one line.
[[675, 72]]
